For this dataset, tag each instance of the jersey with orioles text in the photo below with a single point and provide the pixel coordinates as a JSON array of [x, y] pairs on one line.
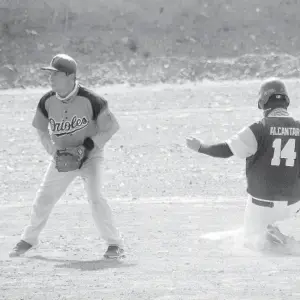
[[70, 121]]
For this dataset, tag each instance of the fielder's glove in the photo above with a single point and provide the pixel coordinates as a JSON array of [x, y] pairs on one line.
[[71, 159]]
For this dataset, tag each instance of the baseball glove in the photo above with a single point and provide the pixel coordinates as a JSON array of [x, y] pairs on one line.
[[70, 159]]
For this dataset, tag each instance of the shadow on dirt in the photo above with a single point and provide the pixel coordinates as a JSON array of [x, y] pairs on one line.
[[90, 265]]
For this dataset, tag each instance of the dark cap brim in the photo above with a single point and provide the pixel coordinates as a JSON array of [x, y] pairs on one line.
[[49, 69]]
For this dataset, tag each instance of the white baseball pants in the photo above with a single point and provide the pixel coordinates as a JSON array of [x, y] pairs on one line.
[[258, 217], [53, 187]]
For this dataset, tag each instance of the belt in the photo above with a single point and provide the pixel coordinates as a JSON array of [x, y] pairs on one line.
[[263, 203], [270, 203]]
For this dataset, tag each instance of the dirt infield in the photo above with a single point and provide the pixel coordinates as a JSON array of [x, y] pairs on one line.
[[180, 213]]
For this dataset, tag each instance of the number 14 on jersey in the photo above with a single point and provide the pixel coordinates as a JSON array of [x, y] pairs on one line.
[[287, 152]]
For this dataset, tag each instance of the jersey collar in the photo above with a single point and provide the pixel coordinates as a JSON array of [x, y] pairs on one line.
[[72, 93], [278, 112]]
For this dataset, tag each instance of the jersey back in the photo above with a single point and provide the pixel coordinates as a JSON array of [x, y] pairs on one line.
[[273, 172]]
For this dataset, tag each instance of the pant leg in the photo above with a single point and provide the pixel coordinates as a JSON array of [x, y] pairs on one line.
[[50, 191], [257, 218], [91, 173]]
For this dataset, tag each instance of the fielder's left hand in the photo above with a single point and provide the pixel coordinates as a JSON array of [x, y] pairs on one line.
[[193, 143]]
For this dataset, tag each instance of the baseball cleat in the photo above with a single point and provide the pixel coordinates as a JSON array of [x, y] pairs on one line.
[[114, 252], [275, 240], [21, 248], [275, 236]]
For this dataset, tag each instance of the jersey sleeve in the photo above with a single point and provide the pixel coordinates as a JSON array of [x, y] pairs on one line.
[[244, 144], [98, 103], [107, 124], [40, 119], [106, 121]]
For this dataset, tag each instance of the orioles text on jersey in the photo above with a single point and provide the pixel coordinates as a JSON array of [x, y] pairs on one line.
[[67, 127]]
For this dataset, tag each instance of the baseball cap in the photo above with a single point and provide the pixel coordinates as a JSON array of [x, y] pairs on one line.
[[270, 87], [62, 63]]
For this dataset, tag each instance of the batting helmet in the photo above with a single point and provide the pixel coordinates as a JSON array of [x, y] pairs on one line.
[[272, 87]]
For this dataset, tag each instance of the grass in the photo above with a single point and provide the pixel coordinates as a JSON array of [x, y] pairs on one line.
[[149, 41], [166, 200]]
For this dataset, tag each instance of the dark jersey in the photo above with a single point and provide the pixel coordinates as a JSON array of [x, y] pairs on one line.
[[273, 171]]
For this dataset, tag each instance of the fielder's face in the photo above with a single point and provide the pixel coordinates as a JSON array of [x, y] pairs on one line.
[[61, 82]]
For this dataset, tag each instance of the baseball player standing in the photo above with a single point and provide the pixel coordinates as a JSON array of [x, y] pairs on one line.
[[271, 150], [80, 125]]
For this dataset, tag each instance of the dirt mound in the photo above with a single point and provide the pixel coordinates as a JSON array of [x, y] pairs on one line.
[[149, 41]]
